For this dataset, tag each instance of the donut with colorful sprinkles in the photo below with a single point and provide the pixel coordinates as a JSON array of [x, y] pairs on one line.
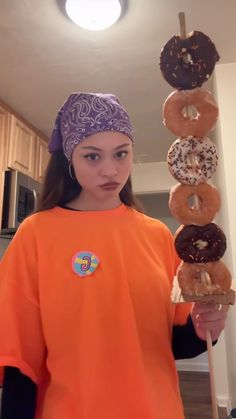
[[192, 160], [188, 63]]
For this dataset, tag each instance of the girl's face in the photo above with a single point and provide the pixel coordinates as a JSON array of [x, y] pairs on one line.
[[102, 165]]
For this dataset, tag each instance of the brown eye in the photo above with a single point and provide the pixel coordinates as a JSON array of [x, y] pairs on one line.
[[121, 154], [92, 156]]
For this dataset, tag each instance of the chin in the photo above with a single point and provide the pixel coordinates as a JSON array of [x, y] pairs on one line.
[[110, 193]]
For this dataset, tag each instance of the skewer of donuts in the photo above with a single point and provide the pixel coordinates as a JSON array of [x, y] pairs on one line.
[[186, 63]]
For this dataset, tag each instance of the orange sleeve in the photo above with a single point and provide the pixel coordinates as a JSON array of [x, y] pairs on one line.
[[21, 338], [181, 314]]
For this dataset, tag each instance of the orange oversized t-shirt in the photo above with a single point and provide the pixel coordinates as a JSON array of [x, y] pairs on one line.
[[86, 314]]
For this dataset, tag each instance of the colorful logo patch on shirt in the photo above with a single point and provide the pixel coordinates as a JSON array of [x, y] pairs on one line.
[[84, 263]]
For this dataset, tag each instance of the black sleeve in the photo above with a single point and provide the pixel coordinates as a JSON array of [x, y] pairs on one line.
[[186, 343], [18, 395]]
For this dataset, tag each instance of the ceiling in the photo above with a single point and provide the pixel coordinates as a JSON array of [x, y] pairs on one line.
[[45, 57]]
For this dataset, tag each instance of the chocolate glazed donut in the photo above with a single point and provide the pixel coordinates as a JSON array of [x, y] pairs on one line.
[[200, 244], [188, 63]]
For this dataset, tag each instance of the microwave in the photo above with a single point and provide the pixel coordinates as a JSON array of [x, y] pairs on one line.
[[20, 198]]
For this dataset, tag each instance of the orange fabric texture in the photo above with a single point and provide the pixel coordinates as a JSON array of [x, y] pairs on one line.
[[98, 346]]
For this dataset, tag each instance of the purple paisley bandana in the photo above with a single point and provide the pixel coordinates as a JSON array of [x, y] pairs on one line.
[[84, 114]]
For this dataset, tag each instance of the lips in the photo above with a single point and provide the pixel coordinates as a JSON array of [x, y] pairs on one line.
[[110, 186]]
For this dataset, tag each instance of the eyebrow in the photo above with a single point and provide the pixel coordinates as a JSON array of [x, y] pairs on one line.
[[99, 149]]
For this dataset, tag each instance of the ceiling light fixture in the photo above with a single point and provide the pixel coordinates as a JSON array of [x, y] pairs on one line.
[[94, 15]]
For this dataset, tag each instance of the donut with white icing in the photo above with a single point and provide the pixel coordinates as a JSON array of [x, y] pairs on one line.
[[192, 160]]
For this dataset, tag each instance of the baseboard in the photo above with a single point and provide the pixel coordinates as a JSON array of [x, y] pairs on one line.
[[192, 366], [224, 401]]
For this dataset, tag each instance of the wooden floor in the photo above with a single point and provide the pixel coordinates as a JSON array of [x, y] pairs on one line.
[[196, 396], [195, 391]]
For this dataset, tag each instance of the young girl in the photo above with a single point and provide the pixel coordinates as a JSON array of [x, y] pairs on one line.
[[87, 328]]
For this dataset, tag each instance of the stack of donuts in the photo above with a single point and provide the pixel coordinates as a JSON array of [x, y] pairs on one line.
[[190, 112]]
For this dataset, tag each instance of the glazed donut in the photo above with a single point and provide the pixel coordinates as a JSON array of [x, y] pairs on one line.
[[200, 244], [181, 208], [204, 279], [188, 63], [194, 126], [192, 160]]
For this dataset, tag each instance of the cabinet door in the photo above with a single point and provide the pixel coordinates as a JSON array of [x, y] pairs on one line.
[[22, 145], [41, 160], [4, 143], [4, 136]]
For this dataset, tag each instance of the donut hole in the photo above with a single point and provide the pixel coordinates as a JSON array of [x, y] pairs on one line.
[[194, 202], [190, 112], [187, 58], [192, 160], [205, 278], [201, 244], [202, 277]]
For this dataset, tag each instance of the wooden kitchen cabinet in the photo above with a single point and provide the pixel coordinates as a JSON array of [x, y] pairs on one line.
[[42, 157], [22, 147], [4, 136]]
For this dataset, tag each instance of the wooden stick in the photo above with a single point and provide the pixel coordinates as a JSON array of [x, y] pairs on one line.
[[182, 25], [183, 35], [195, 197], [209, 346], [215, 414]]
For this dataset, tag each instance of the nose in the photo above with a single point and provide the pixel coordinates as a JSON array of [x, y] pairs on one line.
[[109, 169]]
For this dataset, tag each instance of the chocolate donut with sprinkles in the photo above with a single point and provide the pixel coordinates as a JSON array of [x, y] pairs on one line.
[[200, 244], [188, 63]]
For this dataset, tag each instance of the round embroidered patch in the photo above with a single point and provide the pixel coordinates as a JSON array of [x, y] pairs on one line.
[[84, 263]]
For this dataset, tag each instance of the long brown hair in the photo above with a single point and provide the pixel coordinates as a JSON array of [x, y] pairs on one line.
[[59, 188]]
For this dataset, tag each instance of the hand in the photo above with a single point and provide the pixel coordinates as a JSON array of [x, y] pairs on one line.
[[209, 316]]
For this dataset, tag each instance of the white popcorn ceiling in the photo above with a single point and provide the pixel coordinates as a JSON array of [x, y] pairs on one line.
[[45, 56]]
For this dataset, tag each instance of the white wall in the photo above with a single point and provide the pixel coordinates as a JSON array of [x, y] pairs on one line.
[[156, 206], [151, 177], [155, 179], [225, 88], [152, 183]]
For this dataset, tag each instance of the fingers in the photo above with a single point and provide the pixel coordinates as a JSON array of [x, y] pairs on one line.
[[215, 328], [209, 316], [201, 307]]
